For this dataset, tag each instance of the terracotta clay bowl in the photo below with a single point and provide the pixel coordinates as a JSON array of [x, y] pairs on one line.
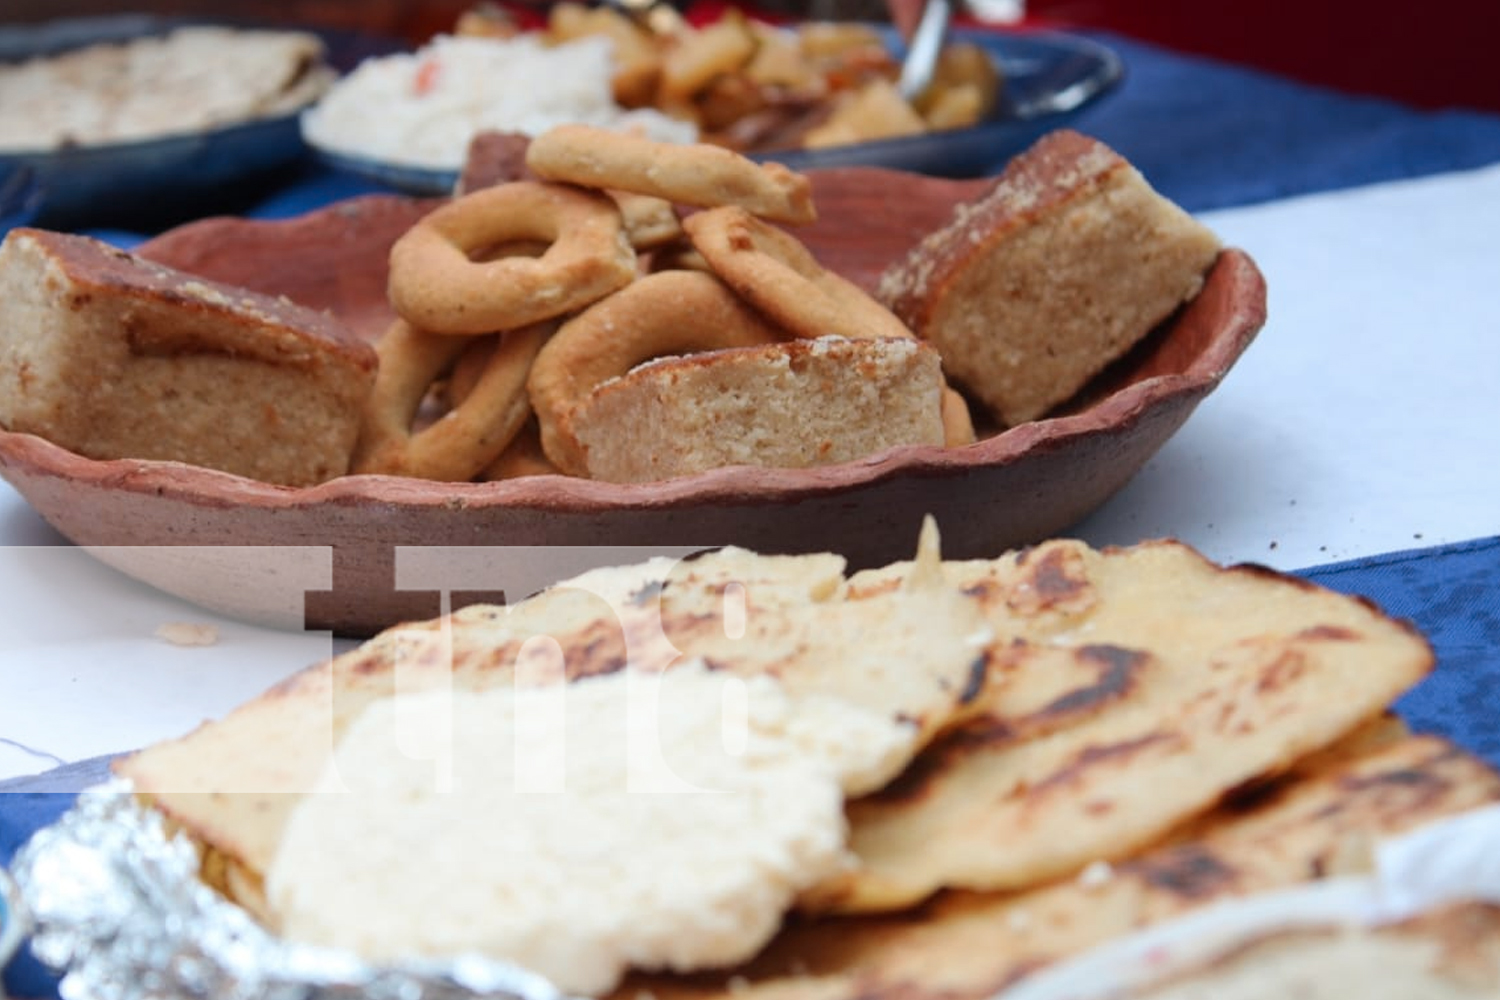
[[338, 556]]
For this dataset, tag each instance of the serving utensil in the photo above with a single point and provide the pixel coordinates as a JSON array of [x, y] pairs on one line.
[[926, 45]]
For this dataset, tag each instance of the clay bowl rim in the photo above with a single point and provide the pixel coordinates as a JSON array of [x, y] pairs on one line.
[[736, 484]]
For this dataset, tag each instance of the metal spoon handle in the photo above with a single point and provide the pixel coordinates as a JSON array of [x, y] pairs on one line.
[[920, 64]]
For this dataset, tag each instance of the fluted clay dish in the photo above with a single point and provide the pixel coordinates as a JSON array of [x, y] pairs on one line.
[[1008, 489]]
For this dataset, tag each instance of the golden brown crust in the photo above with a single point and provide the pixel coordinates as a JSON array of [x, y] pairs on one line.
[[774, 272], [1107, 726], [701, 175], [437, 284], [670, 312], [1317, 814], [471, 435], [781, 278], [246, 323], [797, 404], [113, 356], [1061, 167], [1033, 289], [1447, 953], [650, 222], [958, 422], [1317, 820], [522, 457], [496, 158]]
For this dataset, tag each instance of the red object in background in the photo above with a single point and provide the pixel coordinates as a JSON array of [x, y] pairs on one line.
[[1435, 55]]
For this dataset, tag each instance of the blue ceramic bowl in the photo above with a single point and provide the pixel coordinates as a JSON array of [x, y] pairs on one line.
[[1050, 78], [20, 195], [80, 185]]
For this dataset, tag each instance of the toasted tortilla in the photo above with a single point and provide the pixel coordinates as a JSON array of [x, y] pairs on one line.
[[1123, 735], [1139, 686], [1449, 953], [910, 653], [1319, 819], [194, 78]]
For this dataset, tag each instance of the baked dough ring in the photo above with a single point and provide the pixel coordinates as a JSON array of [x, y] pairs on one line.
[[650, 222], [700, 174], [670, 312], [958, 422], [677, 255], [441, 283], [522, 457], [462, 442], [775, 273]]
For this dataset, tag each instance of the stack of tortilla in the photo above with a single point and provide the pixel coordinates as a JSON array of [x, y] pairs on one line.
[[190, 79], [933, 779]]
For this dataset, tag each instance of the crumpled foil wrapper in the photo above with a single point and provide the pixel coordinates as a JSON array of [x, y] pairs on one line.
[[117, 904]]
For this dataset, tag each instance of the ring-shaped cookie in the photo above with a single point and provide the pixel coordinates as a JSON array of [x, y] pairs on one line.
[[670, 312], [701, 174], [458, 445], [650, 222], [958, 422], [523, 456], [441, 282], [775, 273]]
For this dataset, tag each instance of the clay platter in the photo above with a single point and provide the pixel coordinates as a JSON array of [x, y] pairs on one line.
[[194, 532]]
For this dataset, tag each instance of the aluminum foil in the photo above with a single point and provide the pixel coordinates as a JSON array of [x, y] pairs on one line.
[[117, 905]]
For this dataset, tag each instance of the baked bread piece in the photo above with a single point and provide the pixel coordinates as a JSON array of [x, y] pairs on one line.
[[112, 356], [1148, 682], [790, 405], [1318, 821], [1448, 953], [1033, 289], [929, 645]]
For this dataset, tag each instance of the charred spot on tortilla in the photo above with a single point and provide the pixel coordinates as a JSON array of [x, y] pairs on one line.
[[1189, 870], [1057, 581], [1118, 672]]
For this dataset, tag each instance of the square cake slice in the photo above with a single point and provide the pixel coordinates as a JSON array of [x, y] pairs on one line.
[[112, 356], [1064, 265], [798, 404]]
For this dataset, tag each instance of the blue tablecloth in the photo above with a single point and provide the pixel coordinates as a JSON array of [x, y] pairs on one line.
[[1206, 134], [1209, 136]]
